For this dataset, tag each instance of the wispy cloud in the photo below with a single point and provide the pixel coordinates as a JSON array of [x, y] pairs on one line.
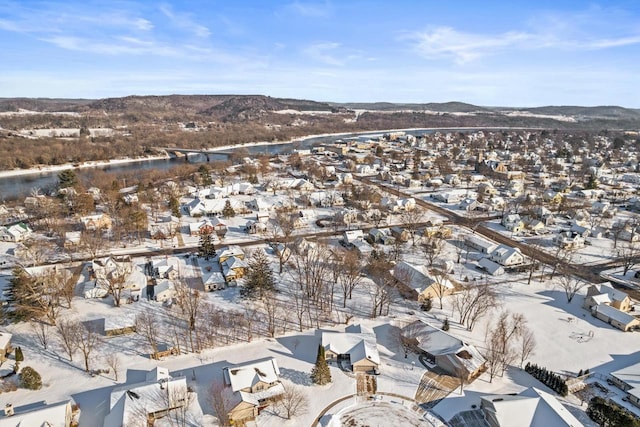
[[322, 52], [184, 21], [311, 9], [463, 47]]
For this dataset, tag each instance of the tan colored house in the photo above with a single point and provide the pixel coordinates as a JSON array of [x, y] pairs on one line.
[[96, 222], [602, 293], [418, 283], [231, 251], [616, 318], [439, 231], [233, 268], [357, 346], [251, 388]]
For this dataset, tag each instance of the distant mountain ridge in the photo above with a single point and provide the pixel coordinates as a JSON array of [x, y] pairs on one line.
[[240, 108], [605, 111]]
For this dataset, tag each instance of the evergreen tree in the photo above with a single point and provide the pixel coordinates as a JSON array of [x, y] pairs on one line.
[[580, 373], [445, 325], [228, 211], [19, 355], [427, 304], [67, 178], [205, 176], [207, 248], [26, 297], [592, 183], [174, 206], [321, 374], [259, 277], [30, 379]]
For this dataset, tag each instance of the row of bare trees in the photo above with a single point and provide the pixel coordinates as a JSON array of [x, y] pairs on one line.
[[73, 336], [508, 339]]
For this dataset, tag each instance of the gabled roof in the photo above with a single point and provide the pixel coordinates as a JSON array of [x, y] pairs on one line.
[[358, 346], [614, 294], [250, 374], [532, 407], [437, 342], [156, 393], [629, 375], [229, 251], [50, 415], [614, 313], [417, 277]]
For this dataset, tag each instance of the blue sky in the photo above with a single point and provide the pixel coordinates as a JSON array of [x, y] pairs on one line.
[[518, 53]]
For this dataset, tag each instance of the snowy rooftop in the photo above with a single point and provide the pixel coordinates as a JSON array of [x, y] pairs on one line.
[[51, 415], [358, 345], [158, 392], [614, 313], [244, 376], [629, 375], [532, 407]]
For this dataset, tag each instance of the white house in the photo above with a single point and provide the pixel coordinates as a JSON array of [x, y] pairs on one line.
[[507, 256], [15, 233], [480, 244]]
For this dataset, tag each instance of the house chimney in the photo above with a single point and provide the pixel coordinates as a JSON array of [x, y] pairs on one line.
[[8, 410]]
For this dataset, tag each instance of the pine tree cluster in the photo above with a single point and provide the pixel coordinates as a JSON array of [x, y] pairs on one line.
[[548, 378], [608, 413]]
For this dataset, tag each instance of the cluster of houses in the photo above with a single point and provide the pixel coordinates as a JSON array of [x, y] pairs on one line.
[[494, 258]]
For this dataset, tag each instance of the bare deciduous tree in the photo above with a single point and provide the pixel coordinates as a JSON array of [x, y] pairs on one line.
[[628, 254], [272, 309], [293, 401], [68, 331], [473, 302], [432, 247], [500, 342], [41, 331], [113, 362], [411, 219], [221, 402], [570, 284], [147, 327], [441, 285], [190, 301], [88, 341], [349, 268], [92, 241], [527, 344]]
